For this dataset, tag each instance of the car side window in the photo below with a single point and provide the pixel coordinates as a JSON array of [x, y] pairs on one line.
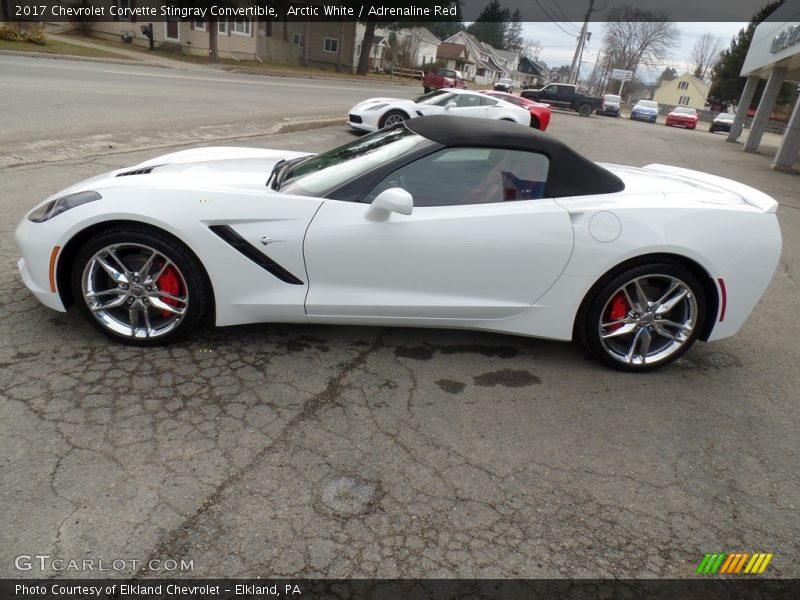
[[456, 176], [486, 101], [467, 100]]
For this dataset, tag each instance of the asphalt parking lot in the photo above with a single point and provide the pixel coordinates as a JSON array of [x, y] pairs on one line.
[[280, 450]]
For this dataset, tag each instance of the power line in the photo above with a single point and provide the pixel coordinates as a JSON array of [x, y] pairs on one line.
[[563, 16], [556, 23]]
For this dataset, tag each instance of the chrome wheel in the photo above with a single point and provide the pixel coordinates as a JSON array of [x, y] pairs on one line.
[[393, 118], [648, 320], [135, 291]]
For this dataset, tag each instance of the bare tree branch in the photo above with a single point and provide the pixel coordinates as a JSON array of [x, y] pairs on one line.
[[705, 54]]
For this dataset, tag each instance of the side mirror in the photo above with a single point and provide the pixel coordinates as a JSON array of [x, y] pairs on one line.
[[450, 105], [388, 201]]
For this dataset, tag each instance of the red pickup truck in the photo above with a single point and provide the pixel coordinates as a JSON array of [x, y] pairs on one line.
[[443, 78]]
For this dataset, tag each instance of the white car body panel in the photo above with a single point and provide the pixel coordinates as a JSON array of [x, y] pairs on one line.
[[435, 262], [521, 267], [372, 118]]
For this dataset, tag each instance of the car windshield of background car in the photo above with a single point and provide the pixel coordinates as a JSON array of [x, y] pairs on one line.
[[325, 172]]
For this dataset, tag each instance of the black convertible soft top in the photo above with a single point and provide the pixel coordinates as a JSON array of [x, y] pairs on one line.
[[570, 173]]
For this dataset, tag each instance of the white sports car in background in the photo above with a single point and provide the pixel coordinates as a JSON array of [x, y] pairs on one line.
[[377, 113], [436, 222]]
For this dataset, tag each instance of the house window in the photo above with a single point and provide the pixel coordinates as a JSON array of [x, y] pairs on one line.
[[684, 100], [331, 45], [298, 39], [241, 26], [172, 30], [222, 26], [199, 25], [123, 5], [683, 85]]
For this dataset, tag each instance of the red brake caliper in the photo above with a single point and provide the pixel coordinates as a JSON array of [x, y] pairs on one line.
[[617, 310], [169, 283]]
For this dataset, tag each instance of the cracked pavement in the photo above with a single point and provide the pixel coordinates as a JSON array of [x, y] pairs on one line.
[[283, 450]]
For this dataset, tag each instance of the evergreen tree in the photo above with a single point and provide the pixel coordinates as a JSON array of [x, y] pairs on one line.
[[490, 26], [668, 74], [728, 84]]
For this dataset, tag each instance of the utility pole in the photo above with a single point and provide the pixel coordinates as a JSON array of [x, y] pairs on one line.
[[581, 41]]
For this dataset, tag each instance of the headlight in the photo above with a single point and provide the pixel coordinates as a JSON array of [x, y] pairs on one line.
[[55, 207], [378, 106]]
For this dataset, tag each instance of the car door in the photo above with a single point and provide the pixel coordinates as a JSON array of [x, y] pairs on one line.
[[482, 242], [467, 105]]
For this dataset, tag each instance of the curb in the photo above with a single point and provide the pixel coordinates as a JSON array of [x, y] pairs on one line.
[[122, 61]]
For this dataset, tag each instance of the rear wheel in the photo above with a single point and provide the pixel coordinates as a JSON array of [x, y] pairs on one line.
[[426, 89], [139, 286], [644, 317], [585, 110], [393, 117], [535, 123]]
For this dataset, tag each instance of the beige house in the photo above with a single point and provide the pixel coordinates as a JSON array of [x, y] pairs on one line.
[[685, 90], [331, 43]]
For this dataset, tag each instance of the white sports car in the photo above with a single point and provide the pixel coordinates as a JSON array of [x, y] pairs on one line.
[[436, 222], [377, 113]]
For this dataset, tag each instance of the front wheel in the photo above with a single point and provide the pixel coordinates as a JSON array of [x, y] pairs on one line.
[[393, 117], [585, 110], [426, 89], [643, 318], [139, 286]]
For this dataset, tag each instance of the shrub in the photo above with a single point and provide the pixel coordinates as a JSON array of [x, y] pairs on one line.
[[9, 33], [36, 36]]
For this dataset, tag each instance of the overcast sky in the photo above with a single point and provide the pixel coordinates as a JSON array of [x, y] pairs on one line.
[[559, 41]]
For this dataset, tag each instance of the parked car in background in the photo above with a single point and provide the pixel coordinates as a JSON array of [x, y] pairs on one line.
[[610, 106], [443, 78], [722, 122], [377, 113], [540, 113], [645, 110], [504, 84], [562, 95], [683, 116]]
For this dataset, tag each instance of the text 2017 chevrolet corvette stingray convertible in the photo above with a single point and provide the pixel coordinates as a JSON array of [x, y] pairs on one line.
[[435, 222]]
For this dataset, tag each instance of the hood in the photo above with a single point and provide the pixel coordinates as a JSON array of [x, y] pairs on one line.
[[199, 167], [691, 184], [645, 109], [373, 101]]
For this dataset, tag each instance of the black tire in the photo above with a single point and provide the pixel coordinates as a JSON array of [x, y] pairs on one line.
[[134, 245], [654, 278], [711, 129], [392, 117], [426, 89], [585, 110], [535, 123]]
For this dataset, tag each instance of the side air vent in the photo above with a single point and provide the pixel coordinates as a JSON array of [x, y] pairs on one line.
[[228, 235], [143, 171]]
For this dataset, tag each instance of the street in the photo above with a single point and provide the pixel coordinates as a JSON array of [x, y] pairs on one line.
[[315, 451]]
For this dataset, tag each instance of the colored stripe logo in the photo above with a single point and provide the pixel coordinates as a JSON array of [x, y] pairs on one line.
[[734, 563]]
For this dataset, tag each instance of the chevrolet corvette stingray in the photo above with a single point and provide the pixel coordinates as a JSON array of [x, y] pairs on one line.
[[434, 222]]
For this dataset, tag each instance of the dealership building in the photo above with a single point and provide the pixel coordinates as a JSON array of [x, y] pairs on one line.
[[774, 55]]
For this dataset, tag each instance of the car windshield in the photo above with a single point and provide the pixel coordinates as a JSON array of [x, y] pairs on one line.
[[647, 104], [325, 172], [725, 116], [504, 81], [686, 111], [612, 99]]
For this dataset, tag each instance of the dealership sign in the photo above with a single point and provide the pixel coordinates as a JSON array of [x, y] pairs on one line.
[[788, 37], [621, 74]]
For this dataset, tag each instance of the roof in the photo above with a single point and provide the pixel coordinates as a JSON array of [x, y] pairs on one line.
[[570, 173], [425, 35], [451, 51]]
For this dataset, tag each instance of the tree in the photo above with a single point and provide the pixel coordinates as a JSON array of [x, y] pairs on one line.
[[490, 26], [668, 74], [705, 54], [636, 37], [531, 48], [512, 39], [727, 83]]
